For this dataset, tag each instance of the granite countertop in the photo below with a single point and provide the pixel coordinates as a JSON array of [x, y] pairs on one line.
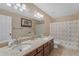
[[37, 42]]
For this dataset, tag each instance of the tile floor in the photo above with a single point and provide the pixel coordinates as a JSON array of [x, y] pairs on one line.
[[64, 52]]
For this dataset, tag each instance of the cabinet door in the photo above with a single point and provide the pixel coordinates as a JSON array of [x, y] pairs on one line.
[[33, 53], [45, 45], [46, 51], [51, 45]]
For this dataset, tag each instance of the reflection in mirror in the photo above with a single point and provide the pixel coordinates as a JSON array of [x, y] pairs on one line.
[[40, 30], [5, 28]]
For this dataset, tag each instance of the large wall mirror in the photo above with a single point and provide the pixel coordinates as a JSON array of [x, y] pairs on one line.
[[5, 28]]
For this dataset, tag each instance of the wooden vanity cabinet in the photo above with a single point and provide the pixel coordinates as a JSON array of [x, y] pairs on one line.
[[43, 50]]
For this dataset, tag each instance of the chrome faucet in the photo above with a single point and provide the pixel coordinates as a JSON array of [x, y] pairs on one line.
[[13, 42]]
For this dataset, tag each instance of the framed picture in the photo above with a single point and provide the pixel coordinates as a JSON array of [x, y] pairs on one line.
[[26, 22]]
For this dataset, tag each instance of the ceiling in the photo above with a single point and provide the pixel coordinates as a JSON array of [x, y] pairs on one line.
[[58, 9], [52, 9]]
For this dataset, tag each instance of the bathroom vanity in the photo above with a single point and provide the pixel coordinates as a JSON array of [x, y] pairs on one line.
[[37, 47], [43, 50]]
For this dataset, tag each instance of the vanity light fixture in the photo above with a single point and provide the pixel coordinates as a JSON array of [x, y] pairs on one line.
[[38, 15], [18, 6]]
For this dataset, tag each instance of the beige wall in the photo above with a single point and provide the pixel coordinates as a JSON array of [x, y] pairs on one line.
[[67, 18], [46, 20], [17, 30]]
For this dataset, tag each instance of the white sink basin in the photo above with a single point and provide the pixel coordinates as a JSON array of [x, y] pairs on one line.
[[21, 48]]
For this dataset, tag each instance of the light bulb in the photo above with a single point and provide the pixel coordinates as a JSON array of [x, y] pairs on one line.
[[41, 15], [18, 5], [9, 4], [23, 6], [15, 7], [21, 9], [36, 16]]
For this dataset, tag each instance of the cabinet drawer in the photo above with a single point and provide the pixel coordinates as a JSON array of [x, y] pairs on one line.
[[40, 53], [40, 49], [46, 44], [33, 53]]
